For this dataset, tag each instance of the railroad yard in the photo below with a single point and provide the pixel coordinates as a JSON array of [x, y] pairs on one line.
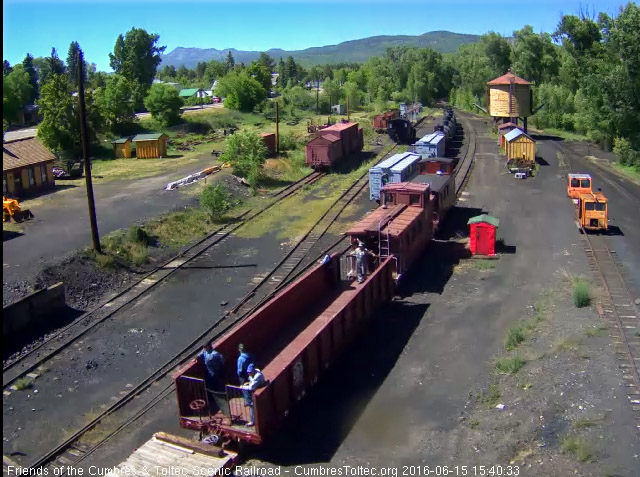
[[422, 383]]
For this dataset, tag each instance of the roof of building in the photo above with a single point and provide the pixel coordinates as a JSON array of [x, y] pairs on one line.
[[148, 137], [186, 93], [121, 140], [24, 152], [265, 134], [516, 133], [508, 78], [579, 176], [488, 219], [436, 181]]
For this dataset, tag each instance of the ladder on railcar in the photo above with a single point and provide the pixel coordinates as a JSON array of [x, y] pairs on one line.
[[384, 238]]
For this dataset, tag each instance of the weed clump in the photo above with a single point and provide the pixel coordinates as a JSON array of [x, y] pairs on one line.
[[509, 365], [579, 447], [23, 383], [514, 336], [581, 294], [492, 396]]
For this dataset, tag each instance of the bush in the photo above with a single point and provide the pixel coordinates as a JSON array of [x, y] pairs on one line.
[[216, 201], [628, 156], [581, 294], [287, 142], [579, 447], [163, 102]]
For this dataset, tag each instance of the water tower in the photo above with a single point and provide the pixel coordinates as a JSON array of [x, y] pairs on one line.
[[509, 98]]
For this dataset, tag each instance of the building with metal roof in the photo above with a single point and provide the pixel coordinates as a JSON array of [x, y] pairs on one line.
[[27, 167], [151, 145]]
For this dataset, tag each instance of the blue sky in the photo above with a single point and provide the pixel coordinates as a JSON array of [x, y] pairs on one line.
[[36, 26]]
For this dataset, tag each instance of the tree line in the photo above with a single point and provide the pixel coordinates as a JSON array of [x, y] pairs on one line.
[[586, 74]]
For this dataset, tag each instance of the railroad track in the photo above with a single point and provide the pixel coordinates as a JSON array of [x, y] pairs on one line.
[[29, 362], [464, 167], [618, 306], [73, 451]]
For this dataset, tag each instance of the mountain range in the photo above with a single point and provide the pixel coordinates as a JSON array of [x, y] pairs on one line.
[[348, 51]]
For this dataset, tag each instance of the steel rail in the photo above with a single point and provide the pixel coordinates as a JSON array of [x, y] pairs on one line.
[[146, 282]]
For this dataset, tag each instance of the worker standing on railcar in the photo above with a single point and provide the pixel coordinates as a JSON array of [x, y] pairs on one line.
[[213, 366], [360, 253], [256, 380], [244, 360]]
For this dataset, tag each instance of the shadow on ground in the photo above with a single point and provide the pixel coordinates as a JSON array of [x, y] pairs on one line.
[[10, 235], [317, 427], [59, 320]]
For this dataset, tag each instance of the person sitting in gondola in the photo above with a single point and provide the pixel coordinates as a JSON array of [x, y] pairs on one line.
[[256, 380]]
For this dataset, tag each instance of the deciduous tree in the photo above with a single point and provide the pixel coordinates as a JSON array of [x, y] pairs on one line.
[[241, 90], [164, 104], [246, 153]]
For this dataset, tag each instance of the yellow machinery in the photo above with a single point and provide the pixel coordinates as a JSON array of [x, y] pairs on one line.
[[591, 211], [11, 210], [578, 184]]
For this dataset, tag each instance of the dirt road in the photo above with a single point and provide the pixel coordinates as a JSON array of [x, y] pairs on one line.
[[61, 225]]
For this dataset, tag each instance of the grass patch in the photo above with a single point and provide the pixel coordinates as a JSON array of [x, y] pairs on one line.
[[130, 245], [509, 364], [181, 228], [484, 264], [474, 424], [12, 227], [591, 332], [514, 336], [569, 136], [630, 172], [579, 447], [492, 396], [581, 293], [23, 384], [295, 215], [568, 344]]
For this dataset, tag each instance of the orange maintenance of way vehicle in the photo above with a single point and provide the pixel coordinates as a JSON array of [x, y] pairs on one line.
[[578, 184]]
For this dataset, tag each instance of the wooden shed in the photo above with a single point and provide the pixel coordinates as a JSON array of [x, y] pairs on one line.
[[27, 167], [122, 147], [509, 96], [151, 145], [519, 146], [482, 234]]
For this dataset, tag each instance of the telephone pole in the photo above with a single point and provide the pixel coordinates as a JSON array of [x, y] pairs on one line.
[[277, 129], [84, 140]]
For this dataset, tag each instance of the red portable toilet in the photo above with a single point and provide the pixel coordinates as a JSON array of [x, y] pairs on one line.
[[482, 234]]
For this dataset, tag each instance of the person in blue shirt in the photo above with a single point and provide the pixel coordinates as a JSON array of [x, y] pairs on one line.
[[244, 360], [256, 380], [213, 366]]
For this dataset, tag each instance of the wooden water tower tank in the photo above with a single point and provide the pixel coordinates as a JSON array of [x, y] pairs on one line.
[[509, 96]]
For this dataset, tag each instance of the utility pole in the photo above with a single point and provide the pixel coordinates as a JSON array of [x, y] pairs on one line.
[[317, 95], [84, 140], [348, 112], [277, 128]]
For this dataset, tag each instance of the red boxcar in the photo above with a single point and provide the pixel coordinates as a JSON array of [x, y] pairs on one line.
[[402, 226], [437, 165], [348, 133], [293, 338], [322, 151], [380, 121], [269, 140]]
